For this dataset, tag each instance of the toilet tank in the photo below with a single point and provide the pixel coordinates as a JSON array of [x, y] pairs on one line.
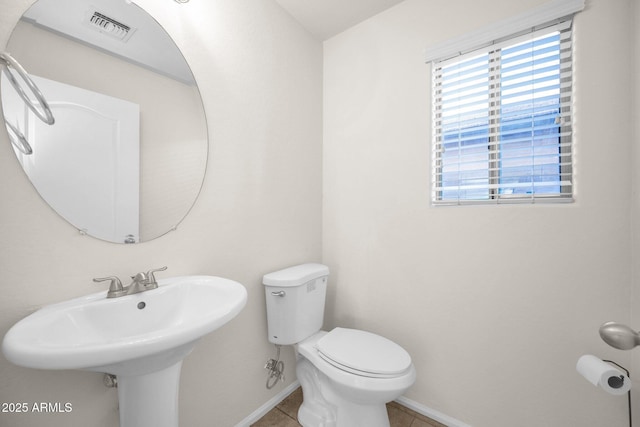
[[295, 302]]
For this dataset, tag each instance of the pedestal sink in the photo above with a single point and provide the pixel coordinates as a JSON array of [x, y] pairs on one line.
[[140, 338]]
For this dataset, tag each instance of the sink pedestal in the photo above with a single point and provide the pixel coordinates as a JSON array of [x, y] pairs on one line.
[[148, 388], [150, 400]]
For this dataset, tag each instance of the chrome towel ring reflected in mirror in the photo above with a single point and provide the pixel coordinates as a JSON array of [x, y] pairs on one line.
[[44, 113], [18, 139]]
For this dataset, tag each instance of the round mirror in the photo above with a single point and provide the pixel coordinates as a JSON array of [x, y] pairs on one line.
[[125, 158]]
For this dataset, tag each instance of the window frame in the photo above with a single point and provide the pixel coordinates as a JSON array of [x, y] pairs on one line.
[[493, 186]]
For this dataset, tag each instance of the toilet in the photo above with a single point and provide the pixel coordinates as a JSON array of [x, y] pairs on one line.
[[347, 375]]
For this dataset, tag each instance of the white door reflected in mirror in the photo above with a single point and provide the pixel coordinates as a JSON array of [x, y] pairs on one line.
[[93, 150]]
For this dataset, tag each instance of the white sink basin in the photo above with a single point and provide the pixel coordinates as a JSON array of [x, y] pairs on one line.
[[131, 336], [93, 332]]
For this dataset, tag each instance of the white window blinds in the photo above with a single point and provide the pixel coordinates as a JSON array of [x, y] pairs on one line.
[[502, 121]]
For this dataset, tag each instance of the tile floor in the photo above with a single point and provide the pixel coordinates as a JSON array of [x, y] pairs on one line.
[[285, 415]]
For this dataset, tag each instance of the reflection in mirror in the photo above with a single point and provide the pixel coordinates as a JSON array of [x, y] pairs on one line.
[[126, 157]]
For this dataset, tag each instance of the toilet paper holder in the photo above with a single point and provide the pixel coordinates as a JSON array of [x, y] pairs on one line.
[[594, 370], [621, 378], [620, 385], [622, 337]]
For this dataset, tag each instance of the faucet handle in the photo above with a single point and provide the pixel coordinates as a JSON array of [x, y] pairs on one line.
[[151, 278], [115, 286]]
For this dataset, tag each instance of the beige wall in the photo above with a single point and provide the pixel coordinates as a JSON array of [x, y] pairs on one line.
[[260, 210], [494, 337], [494, 303]]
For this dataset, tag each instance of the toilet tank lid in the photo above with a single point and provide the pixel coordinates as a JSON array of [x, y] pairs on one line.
[[295, 276]]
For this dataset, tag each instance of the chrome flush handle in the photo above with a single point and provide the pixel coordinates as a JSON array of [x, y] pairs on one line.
[[278, 294]]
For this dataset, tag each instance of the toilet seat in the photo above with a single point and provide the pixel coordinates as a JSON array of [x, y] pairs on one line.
[[363, 353]]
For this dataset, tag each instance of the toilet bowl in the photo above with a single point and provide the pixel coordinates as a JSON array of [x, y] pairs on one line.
[[352, 391], [347, 375]]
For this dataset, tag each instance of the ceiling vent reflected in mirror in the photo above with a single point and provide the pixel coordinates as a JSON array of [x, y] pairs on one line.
[[109, 26], [102, 24]]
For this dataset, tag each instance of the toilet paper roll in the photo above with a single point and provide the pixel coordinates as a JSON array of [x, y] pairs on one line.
[[601, 373]]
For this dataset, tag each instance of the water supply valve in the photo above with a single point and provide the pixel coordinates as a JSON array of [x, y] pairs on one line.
[[276, 370]]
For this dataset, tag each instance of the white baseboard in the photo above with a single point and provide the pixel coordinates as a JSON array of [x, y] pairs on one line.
[[271, 403], [431, 413]]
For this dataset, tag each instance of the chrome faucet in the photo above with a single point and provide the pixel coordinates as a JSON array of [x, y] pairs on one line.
[[140, 282]]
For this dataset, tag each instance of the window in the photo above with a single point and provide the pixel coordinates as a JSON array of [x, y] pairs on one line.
[[502, 121]]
